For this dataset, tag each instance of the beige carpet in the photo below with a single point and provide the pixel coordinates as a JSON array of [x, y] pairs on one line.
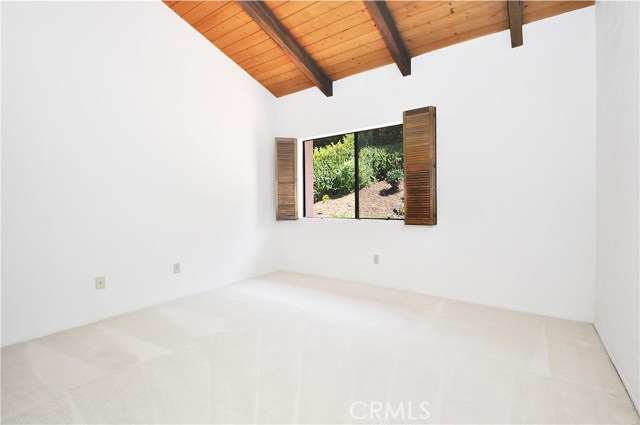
[[294, 349]]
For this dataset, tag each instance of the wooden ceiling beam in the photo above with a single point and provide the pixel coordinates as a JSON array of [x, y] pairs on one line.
[[264, 17], [516, 19], [379, 12]]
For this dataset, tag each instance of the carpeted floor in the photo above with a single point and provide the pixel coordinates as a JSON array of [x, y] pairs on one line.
[[288, 348]]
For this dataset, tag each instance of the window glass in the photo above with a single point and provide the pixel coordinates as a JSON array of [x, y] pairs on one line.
[[333, 164], [330, 179], [381, 173]]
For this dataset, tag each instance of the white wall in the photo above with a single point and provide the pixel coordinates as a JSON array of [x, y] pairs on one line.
[[129, 143], [617, 316], [516, 173]]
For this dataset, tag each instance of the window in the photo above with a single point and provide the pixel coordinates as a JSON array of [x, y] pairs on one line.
[[386, 173], [371, 161]]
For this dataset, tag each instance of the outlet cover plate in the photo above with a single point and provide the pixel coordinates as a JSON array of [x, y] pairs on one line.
[[101, 282]]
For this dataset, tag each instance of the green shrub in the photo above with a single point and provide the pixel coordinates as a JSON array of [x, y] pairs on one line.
[[381, 159], [334, 165], [394, 177], [367, 175], [333, 168], [346, 178]]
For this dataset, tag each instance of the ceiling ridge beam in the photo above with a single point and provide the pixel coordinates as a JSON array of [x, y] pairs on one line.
[[516, 19], [381, 15], [265, 18]]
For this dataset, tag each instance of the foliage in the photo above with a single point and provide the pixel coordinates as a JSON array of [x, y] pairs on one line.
[[395, 215], [333, 168], [330, 168], [367, 174], [379, 137], [334, 165], [394, 176], [381, 159], [344, 215], [376, 215]]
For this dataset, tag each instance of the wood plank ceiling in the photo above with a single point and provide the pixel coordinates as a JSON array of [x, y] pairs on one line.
[[341, 38]]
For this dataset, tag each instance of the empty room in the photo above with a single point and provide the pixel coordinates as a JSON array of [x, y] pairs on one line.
[[320, 212]]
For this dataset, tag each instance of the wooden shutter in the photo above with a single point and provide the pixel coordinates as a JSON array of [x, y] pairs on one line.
[[286, 171], [308, 178], [419, 134]]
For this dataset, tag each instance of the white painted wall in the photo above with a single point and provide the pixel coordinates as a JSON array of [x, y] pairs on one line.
[[516, 173], [129, 143], [617, 307], [0, 176]]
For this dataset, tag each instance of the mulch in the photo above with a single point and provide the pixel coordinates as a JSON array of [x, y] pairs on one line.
[[378, 200]]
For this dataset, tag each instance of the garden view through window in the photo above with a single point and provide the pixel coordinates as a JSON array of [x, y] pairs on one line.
[[371, 160]]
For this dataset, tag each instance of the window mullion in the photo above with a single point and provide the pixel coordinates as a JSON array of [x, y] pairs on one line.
[[357, 176]]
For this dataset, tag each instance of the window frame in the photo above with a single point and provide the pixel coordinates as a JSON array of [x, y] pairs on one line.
[[356, 177]]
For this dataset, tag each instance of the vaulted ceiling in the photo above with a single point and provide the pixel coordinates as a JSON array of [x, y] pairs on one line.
[[290, 46]]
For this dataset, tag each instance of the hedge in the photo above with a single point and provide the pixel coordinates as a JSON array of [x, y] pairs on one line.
[[334, 166]]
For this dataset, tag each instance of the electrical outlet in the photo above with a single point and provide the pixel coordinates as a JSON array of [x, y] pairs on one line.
[[101, 282], [376, 259], [176, 268]]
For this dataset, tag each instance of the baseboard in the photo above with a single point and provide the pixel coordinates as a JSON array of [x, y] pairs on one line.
[[634, 398]]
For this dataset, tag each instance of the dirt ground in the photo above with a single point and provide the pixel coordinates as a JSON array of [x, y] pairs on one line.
[[378, 200]]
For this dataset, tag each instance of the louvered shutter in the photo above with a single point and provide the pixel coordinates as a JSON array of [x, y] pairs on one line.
[[286, 199], [419, 132]]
